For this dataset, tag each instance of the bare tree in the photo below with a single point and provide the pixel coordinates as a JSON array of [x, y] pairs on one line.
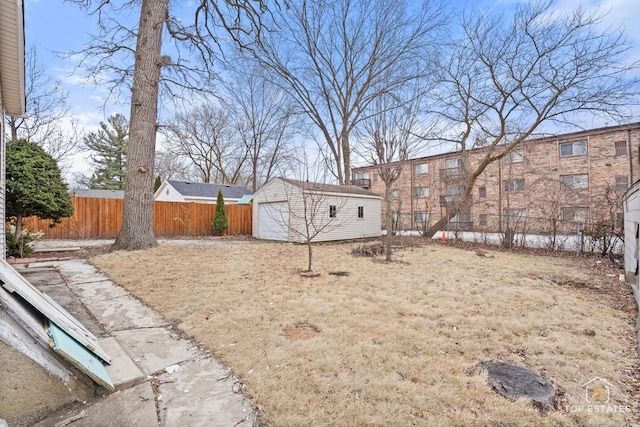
[[113, 54], [169, 166], [262, 117], [204, 136], [505, 79], [311, 211], [336, 58], [47, 107], [388, 143]]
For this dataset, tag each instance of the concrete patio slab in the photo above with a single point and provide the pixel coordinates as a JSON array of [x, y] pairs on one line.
[[123, 371], [200, 393], [134, 407], [125, 312], [154, 349]]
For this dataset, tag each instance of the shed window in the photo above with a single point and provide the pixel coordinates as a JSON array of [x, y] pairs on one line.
[[332, 211], [360, 212]]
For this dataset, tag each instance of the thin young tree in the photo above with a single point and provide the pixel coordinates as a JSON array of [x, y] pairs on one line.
[[336, 58], [507, 77], [389, 141]]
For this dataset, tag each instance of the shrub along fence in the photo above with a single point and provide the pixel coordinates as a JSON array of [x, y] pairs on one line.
[[96, 218]]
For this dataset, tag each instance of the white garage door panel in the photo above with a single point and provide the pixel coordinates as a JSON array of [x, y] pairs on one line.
[[273, 221]]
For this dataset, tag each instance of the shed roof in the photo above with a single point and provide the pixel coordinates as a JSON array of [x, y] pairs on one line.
[[99, 194], [199, 189], [331, 188], [12, 73]]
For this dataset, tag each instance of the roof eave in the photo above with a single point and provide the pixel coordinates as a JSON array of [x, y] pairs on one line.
[[12, 62]]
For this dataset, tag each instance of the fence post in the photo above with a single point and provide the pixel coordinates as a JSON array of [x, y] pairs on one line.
[[578, 223]]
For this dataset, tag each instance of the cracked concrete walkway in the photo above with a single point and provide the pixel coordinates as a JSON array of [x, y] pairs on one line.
[[161, 379]]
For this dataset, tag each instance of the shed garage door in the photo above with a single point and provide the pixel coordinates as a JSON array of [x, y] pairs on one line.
[[273, 221]]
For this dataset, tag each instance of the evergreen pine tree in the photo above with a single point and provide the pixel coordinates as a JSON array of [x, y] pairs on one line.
[[220, 220], [109, 147], [157, 183]]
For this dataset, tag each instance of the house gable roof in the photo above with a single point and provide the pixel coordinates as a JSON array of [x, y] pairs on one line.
[[210, 191], [331, 188]]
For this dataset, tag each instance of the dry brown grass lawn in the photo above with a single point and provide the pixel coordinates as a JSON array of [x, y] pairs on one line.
[[391, 343]]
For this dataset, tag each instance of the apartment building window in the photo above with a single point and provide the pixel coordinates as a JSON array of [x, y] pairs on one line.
[[575, 214], [622, 183], [574, 181], [360, 212], [462, 220], [619, 219], [453, 163], [420, 168], [394, 194], [482, 191], [577, 148], [482, 220], [621, 148], [395, 217], [362, 175], [421, 217], [513, 185], [455, 189], [421, 192], [515, 156], [332, 211], [375, 177], [513, 217]]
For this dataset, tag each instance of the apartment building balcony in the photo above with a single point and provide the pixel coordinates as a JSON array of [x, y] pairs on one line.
[[362, 182], [453, 199], [453, 174]]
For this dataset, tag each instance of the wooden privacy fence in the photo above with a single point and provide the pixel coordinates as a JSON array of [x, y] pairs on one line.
[[96, 218]]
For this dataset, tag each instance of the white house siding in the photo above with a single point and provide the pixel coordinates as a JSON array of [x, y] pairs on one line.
[[273, 191], [346, 225], [632, 243], [3, 178], [169, 194]]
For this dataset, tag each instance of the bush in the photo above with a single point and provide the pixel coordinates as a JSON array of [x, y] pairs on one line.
[[22, 247], [220, 220]]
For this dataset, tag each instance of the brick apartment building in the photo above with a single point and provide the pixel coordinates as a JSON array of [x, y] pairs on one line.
[[545, 185]]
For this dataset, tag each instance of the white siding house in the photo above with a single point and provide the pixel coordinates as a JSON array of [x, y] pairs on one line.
[[632, 242], [199, 192], [12, 82], [290, 210]]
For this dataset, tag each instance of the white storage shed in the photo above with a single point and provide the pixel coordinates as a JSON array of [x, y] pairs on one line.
[[293, 211]]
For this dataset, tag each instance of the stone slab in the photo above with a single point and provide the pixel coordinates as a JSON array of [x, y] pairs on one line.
[[154, 349], [101, 290], [132, 408], [123, 371], [200, 393], [125, 312]]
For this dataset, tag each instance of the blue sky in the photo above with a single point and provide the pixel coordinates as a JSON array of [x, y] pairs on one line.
[[55, 26]]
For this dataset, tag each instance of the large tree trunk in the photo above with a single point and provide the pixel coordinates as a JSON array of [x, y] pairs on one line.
[[137, 216]]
